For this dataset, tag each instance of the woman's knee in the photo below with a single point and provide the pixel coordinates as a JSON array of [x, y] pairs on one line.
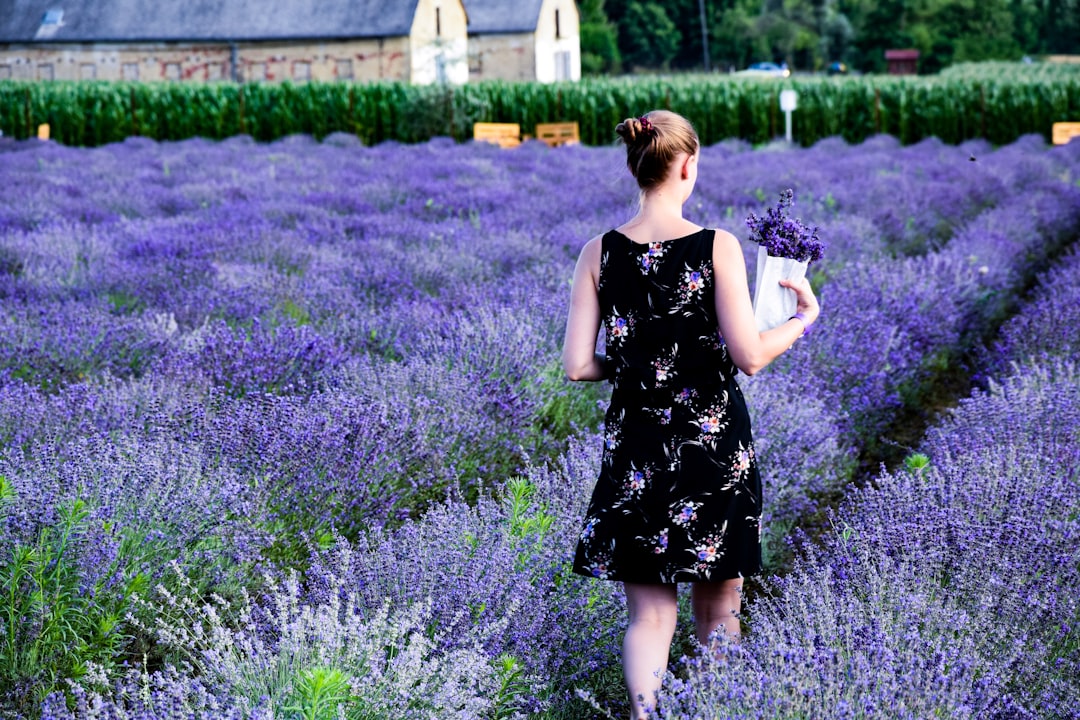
[[655, 619], [717, 598]]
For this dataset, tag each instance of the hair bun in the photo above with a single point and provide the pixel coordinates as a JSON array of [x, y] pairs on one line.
[[630, 130], [652, 141]]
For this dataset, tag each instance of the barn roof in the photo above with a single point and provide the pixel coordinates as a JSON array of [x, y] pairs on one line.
[[164, 20], [502, 16]]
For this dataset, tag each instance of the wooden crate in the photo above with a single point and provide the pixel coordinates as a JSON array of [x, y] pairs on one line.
[[504, 135], [1065, 131], [555, 134]]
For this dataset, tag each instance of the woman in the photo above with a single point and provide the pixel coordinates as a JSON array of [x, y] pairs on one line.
[[678, 498]]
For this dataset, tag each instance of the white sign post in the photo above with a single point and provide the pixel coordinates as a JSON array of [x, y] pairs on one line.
[[789, 100]]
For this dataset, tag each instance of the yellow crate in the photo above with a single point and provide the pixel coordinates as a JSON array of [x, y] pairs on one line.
[[504, 135], [555, 134], [1065, 131]]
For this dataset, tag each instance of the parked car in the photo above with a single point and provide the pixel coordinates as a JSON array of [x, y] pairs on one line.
[[837, 68], [766, 69]]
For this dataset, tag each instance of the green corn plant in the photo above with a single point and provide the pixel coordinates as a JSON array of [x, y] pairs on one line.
[[996, 101]]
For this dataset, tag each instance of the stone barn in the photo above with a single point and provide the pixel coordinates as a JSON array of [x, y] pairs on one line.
[[524, 40], [418, 41]]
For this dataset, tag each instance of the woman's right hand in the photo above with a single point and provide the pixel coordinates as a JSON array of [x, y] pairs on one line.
[[807, 303]]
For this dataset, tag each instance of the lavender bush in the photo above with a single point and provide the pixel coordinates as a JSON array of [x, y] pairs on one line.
[[257, 360], [1048, 325]]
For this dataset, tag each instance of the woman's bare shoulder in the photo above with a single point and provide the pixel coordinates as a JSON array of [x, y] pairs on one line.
[[589, 258], [591, 249], [725, 246]]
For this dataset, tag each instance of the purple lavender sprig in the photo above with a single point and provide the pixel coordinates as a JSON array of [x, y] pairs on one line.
[[783, 236]]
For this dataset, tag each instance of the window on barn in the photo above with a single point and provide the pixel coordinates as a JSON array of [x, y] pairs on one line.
[[301, 71], [5, 72], [172, 71], [45, 71], [87, 71], [344, 70], [50, 23], [215, 71], [476, 62], [440, 69], [257, 72], [562, 65], [129, 71]]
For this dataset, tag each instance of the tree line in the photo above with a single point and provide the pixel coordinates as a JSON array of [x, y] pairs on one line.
[[626, 35]]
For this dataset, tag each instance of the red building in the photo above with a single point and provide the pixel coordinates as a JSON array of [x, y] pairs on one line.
[[902, 62]]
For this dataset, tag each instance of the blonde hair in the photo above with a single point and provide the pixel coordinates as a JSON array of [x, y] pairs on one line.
[[652, 143]]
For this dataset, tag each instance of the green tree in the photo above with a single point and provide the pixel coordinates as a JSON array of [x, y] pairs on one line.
[[686, 14], [648, 37], [809, 33], [734, 41], [1025, 15], [943, 31], [837, 37], [979, 30], [599, 39], [1059, 25]]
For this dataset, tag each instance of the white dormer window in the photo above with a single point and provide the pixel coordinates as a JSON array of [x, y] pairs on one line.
[[51, 21]]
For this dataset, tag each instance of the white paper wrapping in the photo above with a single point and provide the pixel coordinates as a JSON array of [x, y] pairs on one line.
[[774, 304]]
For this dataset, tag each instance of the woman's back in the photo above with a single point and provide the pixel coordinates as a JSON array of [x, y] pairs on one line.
[[658, 311]]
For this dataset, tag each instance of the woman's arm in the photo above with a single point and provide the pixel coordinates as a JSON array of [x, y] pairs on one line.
[[579, 357], [749, 349]]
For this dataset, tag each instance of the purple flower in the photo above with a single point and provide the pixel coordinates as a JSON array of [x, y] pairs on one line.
[[783, 236]]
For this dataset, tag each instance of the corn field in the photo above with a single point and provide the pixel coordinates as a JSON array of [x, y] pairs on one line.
[[998, 102]]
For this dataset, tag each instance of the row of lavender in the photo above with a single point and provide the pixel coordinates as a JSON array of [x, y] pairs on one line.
[[946, 591], [949, 588], [226, 352]]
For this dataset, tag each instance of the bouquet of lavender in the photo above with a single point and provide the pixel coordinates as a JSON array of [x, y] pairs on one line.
[[786, 247]]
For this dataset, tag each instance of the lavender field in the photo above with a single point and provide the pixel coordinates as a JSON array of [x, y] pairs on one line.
[[284, 434]]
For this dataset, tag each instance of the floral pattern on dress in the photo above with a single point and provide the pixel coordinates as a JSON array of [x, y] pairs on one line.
[[743, 460], [708, 550], [600, 566], [713, 421], [651, 256], [619, 328], [664, 365], [686, 396], [589, 530], [612, 436], [635, 483], [739, 466], [684, 512], [663, 415], [692, 287], [658, 542]]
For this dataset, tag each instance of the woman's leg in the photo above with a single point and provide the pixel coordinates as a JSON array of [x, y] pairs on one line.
[[653, 611], [716, 605]]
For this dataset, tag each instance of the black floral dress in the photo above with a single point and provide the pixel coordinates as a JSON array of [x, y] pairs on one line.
[[679, 496]]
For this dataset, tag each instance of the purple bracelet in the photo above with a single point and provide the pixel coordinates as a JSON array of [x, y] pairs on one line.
[[801, 318]]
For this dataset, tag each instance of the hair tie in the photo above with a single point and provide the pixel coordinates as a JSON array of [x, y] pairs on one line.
[[646, 125]]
